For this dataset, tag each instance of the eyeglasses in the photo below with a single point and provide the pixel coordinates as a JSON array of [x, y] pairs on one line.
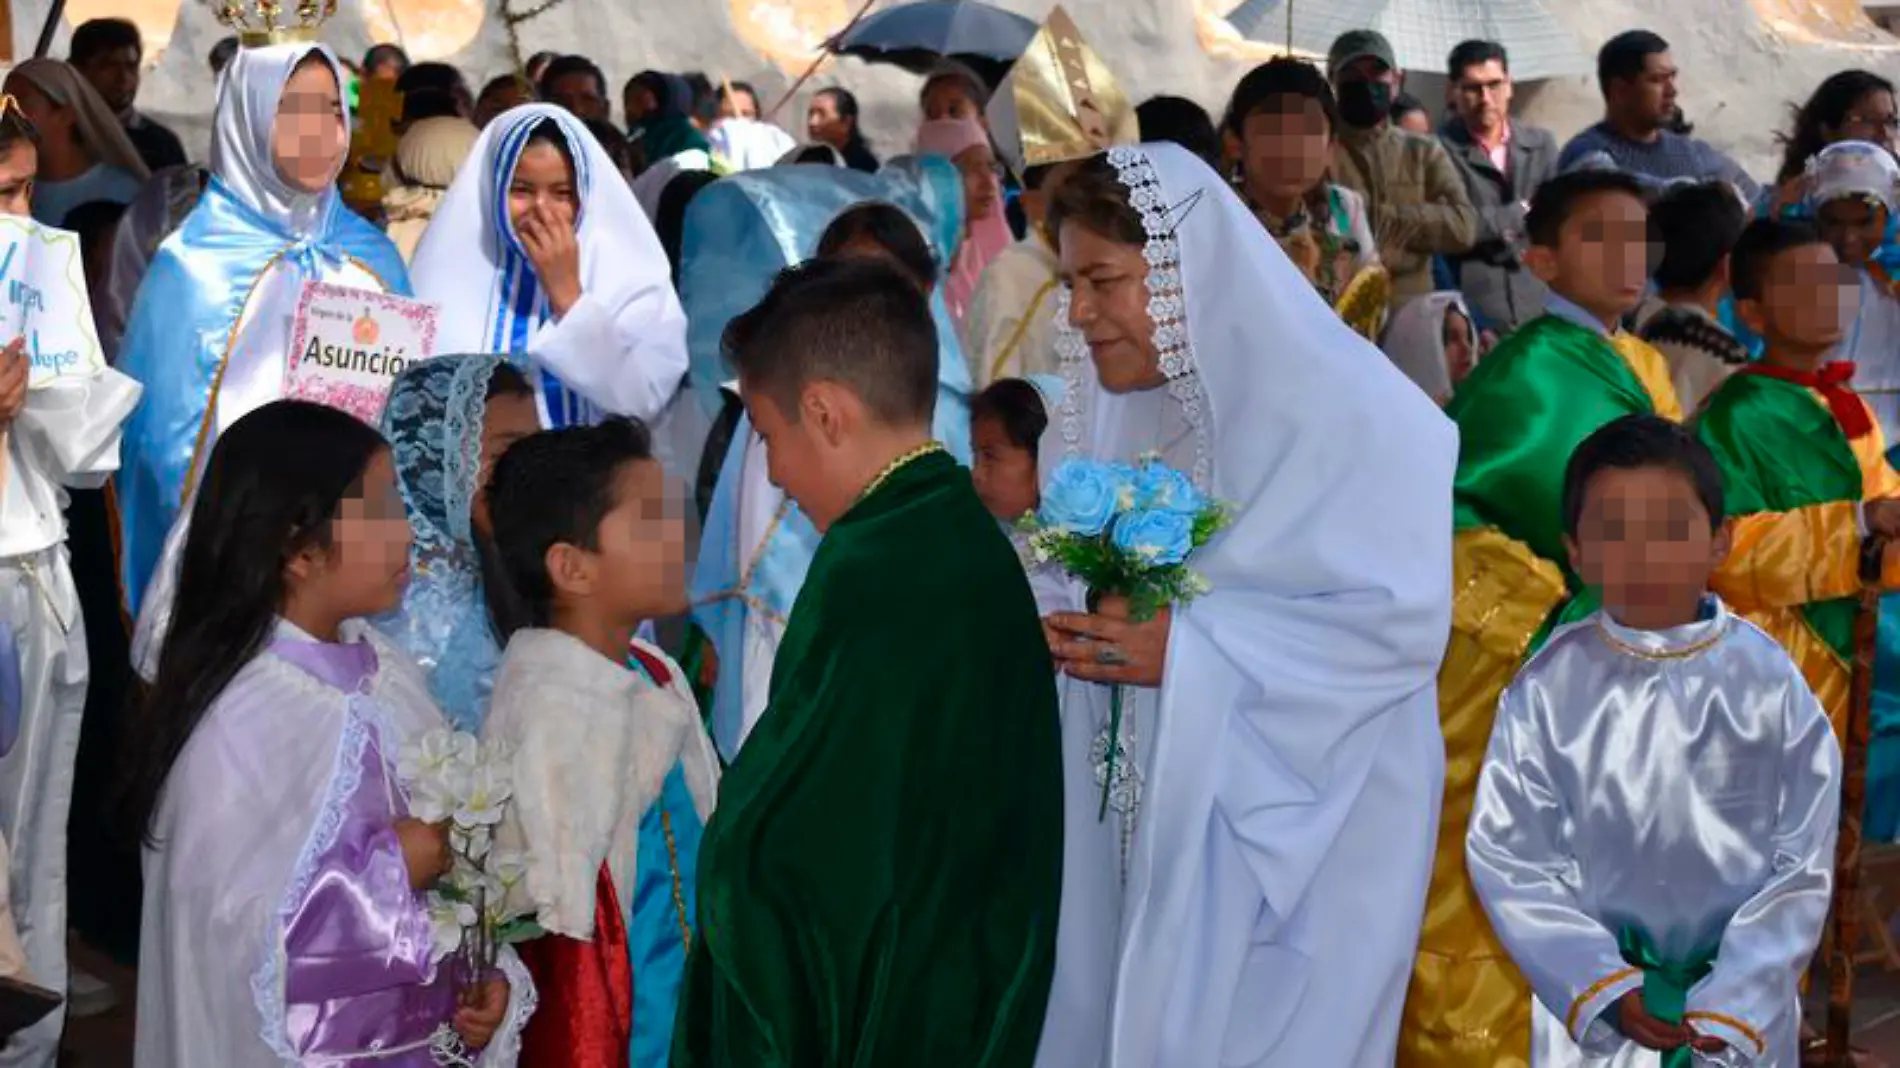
[[1889, 123]]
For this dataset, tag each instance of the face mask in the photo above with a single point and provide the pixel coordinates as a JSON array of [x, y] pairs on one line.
[[1364, 104]]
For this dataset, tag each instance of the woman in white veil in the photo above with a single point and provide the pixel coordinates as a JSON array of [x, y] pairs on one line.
[[1253, 895], [546, 257]]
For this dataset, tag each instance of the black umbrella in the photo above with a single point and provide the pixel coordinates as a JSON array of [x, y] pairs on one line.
[[916, 36]]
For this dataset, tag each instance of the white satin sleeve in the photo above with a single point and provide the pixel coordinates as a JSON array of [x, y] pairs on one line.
[[75, 424], [626, 360], [1523, 871], [1753, 991]]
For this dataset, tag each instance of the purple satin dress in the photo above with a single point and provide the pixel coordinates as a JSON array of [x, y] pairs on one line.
[[357, 975]]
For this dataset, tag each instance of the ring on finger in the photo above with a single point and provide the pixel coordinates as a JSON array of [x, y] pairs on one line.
[[1111, 655]]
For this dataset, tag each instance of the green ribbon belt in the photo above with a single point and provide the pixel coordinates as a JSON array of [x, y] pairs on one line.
[[1666, 984]]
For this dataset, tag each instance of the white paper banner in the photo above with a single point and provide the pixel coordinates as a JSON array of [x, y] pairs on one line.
[[43, 299]]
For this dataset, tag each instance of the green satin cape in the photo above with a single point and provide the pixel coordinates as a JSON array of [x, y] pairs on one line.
[[1520, 415], [1778, 451], [880, 882]]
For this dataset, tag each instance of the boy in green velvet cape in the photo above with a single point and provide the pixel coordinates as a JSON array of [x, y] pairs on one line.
[[1802, 459], [880, 882], [1520, 415]]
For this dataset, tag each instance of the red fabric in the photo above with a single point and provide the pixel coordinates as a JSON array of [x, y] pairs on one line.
[[654, 665], [1831, 382], [585, 1019]]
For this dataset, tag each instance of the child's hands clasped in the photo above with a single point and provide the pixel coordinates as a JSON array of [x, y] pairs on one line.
[[481, 1013], [1637, 1025], [425, 849]]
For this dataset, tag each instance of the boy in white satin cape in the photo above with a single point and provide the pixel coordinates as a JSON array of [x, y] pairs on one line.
[[1653, 834]]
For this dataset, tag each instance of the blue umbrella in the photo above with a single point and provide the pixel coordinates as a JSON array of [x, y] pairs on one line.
[[1422, 32], [916, 36]]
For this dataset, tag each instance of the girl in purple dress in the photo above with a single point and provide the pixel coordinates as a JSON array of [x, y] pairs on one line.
[[284, 920]]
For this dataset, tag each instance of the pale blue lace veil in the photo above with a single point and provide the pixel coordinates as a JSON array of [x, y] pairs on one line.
[[434, 425]]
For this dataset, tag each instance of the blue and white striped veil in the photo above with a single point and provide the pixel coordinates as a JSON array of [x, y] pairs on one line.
[[471, 248]]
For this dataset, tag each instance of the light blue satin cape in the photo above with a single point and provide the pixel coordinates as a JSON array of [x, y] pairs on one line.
[[740, 232]]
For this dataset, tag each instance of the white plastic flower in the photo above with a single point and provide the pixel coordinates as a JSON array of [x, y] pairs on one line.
[[432, 800], [489, 788], [509, 867], [426, 756], [447, 920]]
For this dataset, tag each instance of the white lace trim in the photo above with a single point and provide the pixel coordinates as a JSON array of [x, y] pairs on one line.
[[267, 983], [1167, 308]]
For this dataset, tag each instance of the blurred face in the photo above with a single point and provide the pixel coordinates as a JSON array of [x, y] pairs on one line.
[[1108, 304], [1872, 118], [1286, 148], [1482, 96], [824, 125], [738, 105], [387, 69], [1461, 346], [308, 140], [1602, 259], [503, 96], [947, 98], [54, 123], [367, 565], [1806, 298], [641, 564], [1644, 542], [115, 74], [580, 94], [17, 168], [543, 182], [1417, 122], [639, 102], [977, 165], [1853, 226], [1649, 99], [1004, 473], [802, 457], [508, 418]]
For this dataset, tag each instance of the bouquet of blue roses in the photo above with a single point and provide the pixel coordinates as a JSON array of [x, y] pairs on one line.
[[1127, 530]]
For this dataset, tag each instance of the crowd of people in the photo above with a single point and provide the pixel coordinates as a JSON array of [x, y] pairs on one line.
[[1503, 725]]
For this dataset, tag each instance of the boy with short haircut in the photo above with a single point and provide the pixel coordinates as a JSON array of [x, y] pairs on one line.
[[1697, 225], [1803, 458], [881, 882], [613, 772], [1654, 831], [1520, 415]]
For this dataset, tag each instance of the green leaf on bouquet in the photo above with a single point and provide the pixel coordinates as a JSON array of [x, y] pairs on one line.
[[520, 929]]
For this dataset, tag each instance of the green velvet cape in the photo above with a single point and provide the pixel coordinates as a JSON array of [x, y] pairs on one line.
[[880, 881]]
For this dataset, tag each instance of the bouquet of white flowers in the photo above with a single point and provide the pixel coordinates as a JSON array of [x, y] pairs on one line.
[[454, 778]]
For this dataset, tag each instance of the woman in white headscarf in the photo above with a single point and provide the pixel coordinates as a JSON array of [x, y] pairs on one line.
[[84, 152], [210, 328], [1432, 340], [1252, 894], [551, 261]]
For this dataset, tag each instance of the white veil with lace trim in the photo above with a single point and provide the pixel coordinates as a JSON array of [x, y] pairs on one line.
[[1298, 693]]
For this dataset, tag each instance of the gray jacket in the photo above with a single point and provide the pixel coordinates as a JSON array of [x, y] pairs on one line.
[[1495, 282]]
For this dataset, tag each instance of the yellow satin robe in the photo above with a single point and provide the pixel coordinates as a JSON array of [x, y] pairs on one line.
[[1468, 1007]]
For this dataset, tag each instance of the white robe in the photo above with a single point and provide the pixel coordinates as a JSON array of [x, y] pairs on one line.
[[67, 434], [1010, 330], [1681, 782], [1872, 342], [242, 807], [1291, 763]]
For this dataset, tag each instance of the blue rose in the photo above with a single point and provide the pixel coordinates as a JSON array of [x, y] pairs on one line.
[[1080, 498], [1161, 488], [1158, 538]]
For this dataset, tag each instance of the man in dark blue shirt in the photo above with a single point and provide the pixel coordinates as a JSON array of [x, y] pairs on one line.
[[1638, 79]]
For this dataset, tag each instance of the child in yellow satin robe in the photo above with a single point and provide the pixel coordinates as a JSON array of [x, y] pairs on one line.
[[1803, 457], [1520, 415]]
